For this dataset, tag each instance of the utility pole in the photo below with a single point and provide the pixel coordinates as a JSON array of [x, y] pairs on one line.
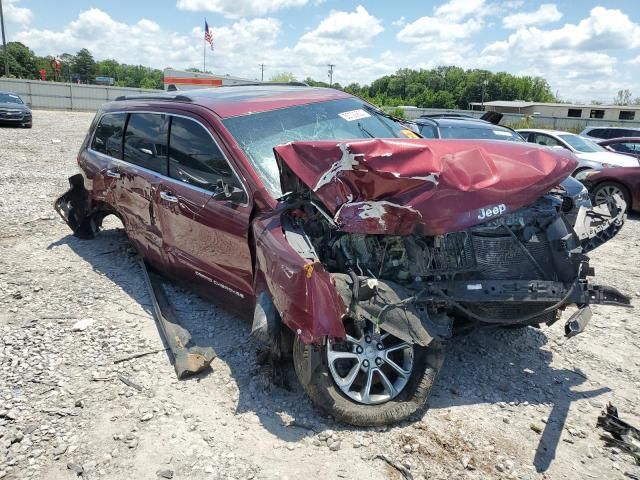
[[331, 65], [262, 72], [4, 42]]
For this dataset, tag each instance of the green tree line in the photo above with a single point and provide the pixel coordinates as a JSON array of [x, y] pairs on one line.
[[441, 87], [23, 63], [448, 87]]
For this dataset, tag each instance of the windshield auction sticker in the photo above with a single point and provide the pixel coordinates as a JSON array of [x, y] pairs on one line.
[[354, 115]]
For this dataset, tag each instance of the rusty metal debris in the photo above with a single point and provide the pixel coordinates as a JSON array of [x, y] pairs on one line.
[[621, 434], [406, 474], [129, 383], [189, 358], [138, 355]]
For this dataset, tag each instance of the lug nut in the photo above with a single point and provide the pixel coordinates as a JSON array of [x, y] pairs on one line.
[[367, 339], [380, 346], [365, 363], [378, 361], [359, 349]]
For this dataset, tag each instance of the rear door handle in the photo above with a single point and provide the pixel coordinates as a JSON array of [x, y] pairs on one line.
[[168, 197], [112, 174]]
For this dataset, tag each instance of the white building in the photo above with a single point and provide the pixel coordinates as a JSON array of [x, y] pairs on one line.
[[562, 110]]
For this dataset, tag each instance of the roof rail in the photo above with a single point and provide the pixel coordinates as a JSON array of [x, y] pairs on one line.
[[158, 96], [267, 84]]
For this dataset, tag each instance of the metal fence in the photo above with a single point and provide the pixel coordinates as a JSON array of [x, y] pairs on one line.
[[65, 96], [533, 121]]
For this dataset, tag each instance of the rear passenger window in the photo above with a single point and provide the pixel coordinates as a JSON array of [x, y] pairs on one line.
[[145, 141], [194, 157], [108, 136]]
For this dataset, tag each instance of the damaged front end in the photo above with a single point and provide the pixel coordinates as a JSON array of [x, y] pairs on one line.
[[411, 241]]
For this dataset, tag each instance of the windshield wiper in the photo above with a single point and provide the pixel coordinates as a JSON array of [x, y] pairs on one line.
[[365, 131]]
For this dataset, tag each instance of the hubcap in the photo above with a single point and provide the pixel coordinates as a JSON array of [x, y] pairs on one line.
[[605, 193], [371, 369]]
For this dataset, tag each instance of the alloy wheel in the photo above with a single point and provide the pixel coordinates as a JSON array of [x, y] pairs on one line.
[[371, 369]]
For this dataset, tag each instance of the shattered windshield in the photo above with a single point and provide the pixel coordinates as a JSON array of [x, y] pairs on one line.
[[10, 98], [345, 119]]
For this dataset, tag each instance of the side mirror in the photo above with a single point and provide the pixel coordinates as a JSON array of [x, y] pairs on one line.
[[225, 191]]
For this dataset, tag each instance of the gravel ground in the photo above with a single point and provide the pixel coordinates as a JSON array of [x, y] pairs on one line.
[[510, 403]]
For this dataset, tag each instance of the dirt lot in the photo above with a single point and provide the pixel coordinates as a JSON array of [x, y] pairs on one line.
[[510, 404]]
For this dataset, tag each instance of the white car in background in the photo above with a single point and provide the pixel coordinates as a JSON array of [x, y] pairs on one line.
[[590, 155]]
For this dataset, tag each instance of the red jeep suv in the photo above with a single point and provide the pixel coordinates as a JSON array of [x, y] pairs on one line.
[[358, 246]]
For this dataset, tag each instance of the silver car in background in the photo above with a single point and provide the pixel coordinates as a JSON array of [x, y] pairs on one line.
[[591, 156]]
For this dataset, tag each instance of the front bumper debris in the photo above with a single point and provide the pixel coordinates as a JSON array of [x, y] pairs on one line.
[[596, 225]]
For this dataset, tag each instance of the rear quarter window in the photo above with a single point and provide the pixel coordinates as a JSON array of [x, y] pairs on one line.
[[108, 135]]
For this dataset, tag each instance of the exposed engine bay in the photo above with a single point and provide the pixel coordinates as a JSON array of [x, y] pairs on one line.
[[519, 268]]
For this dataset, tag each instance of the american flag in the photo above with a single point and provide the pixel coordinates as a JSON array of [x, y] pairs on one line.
[[207, 34]]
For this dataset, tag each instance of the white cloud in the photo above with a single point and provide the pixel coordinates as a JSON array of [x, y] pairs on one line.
[[455, 19], [547, 13], [634, 61], [15, 14], [240, 8], [458, 9], [401, 22], [604, 29], [428, 28], [340, 32]]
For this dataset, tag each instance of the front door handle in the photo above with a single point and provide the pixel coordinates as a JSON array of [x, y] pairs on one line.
[[168, 197], [113, 174]]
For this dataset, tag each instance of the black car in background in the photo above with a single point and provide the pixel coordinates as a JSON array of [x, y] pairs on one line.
[[459, 126], [13, 111]]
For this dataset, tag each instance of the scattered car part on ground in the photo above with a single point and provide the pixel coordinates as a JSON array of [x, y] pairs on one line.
[[360, 247], [13, 111], [590, 155], [188, 358], [599, 133], [606, 183], [625, 145], [621, 434]]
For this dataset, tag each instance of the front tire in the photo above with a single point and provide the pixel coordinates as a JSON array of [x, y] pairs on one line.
[[385, 401]]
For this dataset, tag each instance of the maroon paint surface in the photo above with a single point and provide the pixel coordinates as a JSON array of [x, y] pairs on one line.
[[243, 247], [471, 175], [629, 177]]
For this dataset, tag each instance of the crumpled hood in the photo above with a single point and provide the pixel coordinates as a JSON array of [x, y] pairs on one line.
[[428, 187]]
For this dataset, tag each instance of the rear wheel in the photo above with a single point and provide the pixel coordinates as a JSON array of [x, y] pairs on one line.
[[370, 378], [606, 190]]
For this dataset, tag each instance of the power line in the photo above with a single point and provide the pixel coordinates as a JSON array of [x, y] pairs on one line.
[[4, 42], [331, 65]]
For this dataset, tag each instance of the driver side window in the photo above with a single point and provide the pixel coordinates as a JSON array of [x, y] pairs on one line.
[[194, 157]]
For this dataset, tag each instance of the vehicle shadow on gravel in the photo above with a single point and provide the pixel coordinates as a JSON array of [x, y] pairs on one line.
[[210, 325], [508, 366], [486, 366]]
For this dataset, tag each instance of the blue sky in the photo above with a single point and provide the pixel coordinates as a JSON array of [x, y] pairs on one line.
[[586, 49]]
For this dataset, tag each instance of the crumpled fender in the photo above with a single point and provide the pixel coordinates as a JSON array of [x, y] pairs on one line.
[[302, 291]]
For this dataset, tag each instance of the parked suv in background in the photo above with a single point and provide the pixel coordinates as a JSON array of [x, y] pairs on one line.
[[357, 246], [444, 126], [13, 110], [610, 132]]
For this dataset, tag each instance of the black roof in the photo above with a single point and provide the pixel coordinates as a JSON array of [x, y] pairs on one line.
[[442, 121]]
